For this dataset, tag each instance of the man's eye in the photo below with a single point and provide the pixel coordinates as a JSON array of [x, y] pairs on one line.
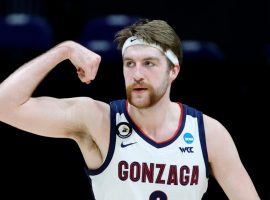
[[129, 64], [149, 64]]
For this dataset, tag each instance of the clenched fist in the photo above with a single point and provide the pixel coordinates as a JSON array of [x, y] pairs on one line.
[[85, 61]]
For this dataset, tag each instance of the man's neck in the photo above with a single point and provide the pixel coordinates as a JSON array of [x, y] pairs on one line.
[[159, 121]]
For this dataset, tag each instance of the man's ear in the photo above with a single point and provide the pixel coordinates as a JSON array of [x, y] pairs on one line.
[[174, 71]]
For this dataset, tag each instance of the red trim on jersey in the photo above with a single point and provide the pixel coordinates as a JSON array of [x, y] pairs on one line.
[[180, 123]]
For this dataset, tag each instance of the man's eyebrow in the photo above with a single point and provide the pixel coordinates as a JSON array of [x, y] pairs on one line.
[[151, 58], [127, 58]]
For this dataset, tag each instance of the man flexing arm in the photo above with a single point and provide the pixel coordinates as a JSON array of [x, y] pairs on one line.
[[76, 118]]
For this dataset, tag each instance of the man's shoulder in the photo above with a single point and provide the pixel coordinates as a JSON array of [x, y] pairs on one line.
[[211, 122], [90, 106], [213, 128]]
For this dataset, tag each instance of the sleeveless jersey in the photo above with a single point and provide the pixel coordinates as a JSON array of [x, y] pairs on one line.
[[137, 167]]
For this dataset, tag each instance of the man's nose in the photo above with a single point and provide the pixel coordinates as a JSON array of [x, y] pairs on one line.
[[138, 74]]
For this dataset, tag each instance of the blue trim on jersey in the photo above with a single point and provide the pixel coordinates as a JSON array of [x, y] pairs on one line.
[[148, 140], [203, 142], [191, 111], [113, 111]]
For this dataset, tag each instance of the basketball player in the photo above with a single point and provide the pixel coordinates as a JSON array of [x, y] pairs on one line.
[[145, 147]]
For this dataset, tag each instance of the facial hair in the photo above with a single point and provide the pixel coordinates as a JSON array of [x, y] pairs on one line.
[[149, 99]]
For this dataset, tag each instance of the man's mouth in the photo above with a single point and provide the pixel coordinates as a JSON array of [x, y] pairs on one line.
[[139, 89]]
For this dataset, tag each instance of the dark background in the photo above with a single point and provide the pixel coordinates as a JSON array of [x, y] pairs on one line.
[[232, 89]]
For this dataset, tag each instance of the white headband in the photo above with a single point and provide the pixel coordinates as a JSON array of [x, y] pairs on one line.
[[134, 40]]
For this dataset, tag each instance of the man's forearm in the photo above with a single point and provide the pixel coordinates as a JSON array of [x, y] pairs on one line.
[[19, 86]]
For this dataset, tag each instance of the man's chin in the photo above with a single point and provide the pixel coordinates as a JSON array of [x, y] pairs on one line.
[[139, 103]]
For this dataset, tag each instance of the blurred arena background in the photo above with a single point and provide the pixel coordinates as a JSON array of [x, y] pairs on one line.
[[226, 59]]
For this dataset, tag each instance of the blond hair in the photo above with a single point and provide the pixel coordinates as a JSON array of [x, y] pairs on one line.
[[152, 31]]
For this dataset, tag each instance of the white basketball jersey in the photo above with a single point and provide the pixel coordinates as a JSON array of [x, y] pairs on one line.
[[137, 167]]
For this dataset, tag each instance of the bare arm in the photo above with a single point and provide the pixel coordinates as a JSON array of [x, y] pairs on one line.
[[225, 163], [45, 115]]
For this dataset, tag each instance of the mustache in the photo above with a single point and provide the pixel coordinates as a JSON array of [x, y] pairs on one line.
[[140, 84]]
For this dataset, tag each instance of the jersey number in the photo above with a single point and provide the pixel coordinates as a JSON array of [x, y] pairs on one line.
[[158, 195]]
